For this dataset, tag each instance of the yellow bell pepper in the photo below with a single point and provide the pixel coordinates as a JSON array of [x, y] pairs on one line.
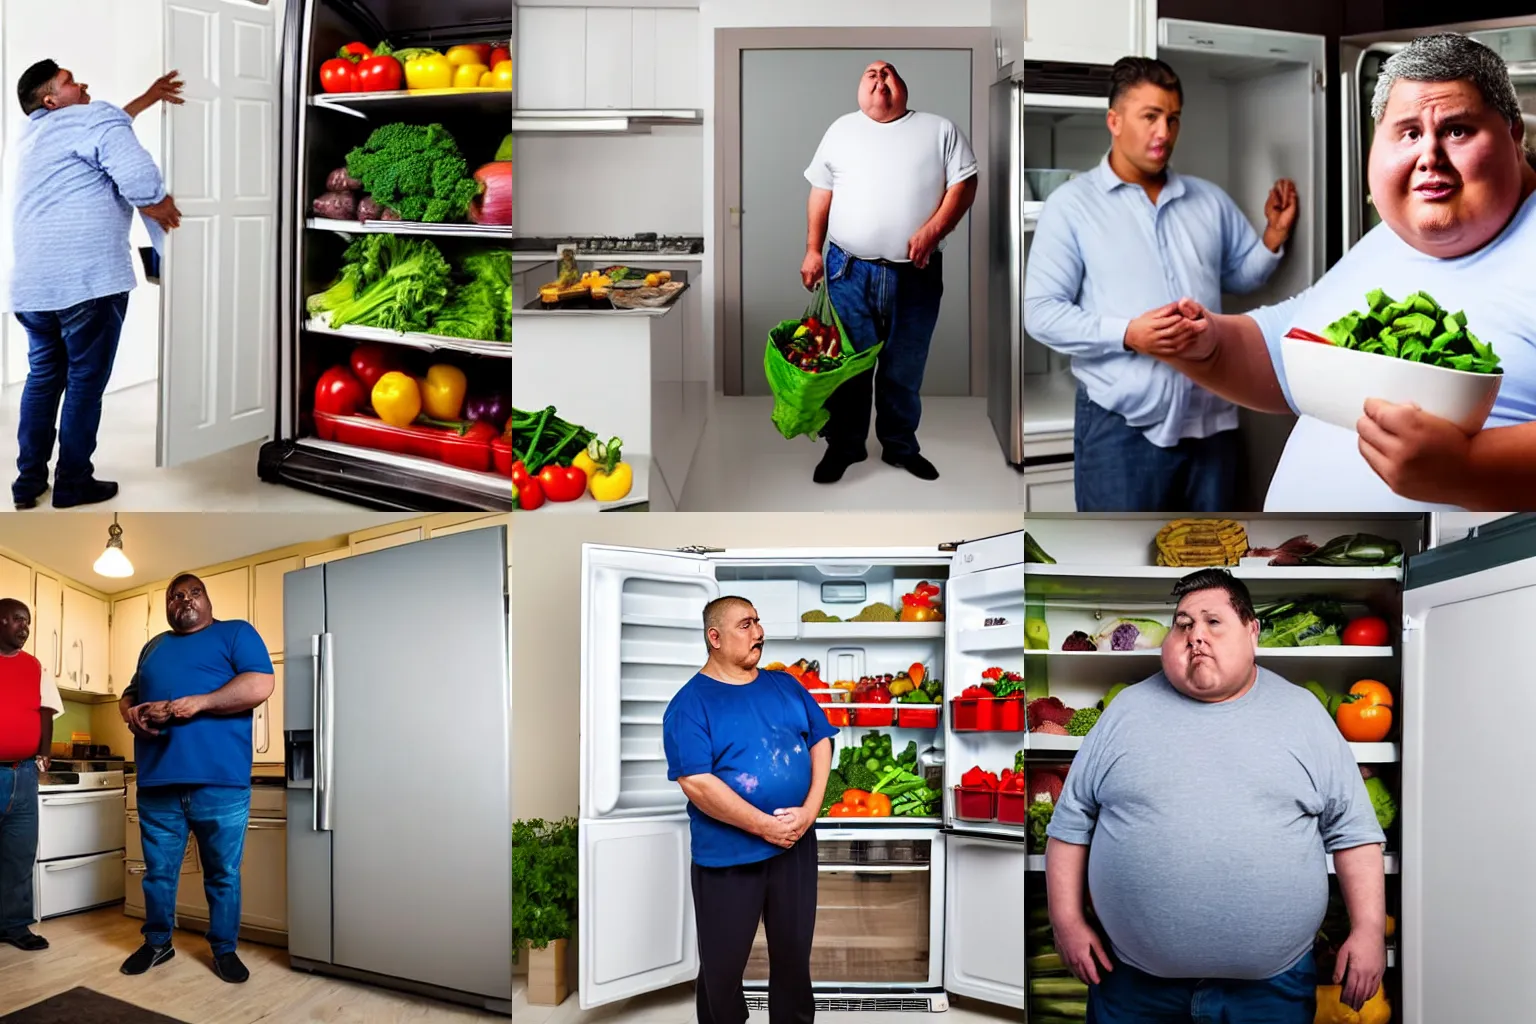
[[460, 55], [428, 71], [608, 478], [1331, 1011], [585, 463], [397, 399], [442, 392], [467, 76]]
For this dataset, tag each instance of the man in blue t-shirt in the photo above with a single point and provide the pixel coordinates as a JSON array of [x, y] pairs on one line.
[[752, 751], [189, 705]]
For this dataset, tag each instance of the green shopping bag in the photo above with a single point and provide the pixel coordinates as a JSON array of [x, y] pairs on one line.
[[800, 395]]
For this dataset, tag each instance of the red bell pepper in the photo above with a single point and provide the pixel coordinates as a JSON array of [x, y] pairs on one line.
[[978, 779], [498, 54], [340, 393], [355, 51], [530, 495], [563, 483], [994, 673], [338, 75], [380, 74], [975, 691], [370, 362]]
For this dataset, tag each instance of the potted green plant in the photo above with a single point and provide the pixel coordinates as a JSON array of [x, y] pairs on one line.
[[544, 859]]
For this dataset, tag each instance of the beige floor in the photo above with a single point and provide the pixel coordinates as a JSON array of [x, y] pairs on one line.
[[675, 1006], [87, 950], [125, 452]]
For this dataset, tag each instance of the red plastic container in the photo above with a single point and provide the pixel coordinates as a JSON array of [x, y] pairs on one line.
[[917, 716], [1008, 715], [878, 717], [973, 714], [422, 442], [501, 455], [975, 804], [1012, 807]]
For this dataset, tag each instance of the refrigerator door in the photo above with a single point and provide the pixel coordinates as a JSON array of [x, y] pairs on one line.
[[1360, 68], [218, 292], [309, 848], [1481, 587], [420, 803], [984, 920], [1005, 332], [641, 639]]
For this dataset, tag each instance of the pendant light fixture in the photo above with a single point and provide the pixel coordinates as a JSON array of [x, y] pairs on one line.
[[113, 562]]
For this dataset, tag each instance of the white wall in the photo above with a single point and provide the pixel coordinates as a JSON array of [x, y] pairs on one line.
[[610, 185], [115, 47]]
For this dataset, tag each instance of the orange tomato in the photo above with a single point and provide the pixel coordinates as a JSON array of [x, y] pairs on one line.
[[856, 797], [1363, 722], [840, 811], [915, 673], [1369, 691], [879, 805]]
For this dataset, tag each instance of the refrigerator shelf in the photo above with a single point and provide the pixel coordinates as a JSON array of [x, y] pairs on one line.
[[882, 822], [1332, 653], [427, 342], [1153, 582], [423, 103], [493, 487], [1037, 863], [1008, 637], [1365, 753], [410, 227], [871, 631]]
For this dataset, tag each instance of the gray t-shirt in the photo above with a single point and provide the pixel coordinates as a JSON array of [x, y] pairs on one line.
[[1208, 823]]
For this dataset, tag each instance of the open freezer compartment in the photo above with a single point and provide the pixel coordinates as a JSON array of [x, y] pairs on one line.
[[356, 456]]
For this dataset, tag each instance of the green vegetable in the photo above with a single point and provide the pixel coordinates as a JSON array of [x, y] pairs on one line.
[[835, 788], [480, 306], [1046, 963], [817, 615], [1316, 689], [1305, 623], [1381, 802], [1067, 987], [1114, 691], [1074, 1009], [1039, 816], [859, 777], [1033, 552], [1018, 761], [877, 612], [541, 438], [398, 283], [415, 169], [845, 758], [1417, 330], [504, 151], [1083, 720], [1357, 550], [908, 756], [1007, 687]]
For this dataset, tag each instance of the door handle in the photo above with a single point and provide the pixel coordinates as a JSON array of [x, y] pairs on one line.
[[322, 646], [84, 861], [85, 676], [261, 825]]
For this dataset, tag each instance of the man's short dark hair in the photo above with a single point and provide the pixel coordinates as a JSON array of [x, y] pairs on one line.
[[714, 612], [171, 587], [36, 82], [10, 604], [1129, 72], [1218, 579]]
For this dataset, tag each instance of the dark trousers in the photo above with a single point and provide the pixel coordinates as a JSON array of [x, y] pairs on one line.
[[1116, 469], [69, 356], [899, 305], [1128, 996], [727, 905], [18, 845]]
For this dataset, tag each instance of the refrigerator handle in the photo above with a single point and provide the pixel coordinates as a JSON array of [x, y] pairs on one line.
[[324, 733]]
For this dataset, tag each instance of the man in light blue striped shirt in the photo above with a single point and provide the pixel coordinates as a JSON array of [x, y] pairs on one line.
[[80, 171], [1114, 251]]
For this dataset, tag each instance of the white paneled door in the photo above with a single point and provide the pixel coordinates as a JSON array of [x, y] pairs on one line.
[[219, 278]]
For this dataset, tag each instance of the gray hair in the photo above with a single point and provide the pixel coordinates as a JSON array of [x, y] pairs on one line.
[[1449, 57]]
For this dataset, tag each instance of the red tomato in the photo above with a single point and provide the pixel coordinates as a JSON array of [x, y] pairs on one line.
[[338, 392], [480, 432], [498, 54], [530, 495], [563, 483], [370, 362], [483, 51], [379, 74], [1370, 631], [338, 75]]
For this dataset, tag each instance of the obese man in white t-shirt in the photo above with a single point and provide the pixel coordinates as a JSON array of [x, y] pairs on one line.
[[1457, 196], [887, 185]]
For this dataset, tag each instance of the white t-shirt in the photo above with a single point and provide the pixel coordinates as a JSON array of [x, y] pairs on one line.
[[1322, 469], [887, 178]]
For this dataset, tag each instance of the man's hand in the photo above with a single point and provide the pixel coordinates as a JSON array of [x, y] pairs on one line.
[[138, 723], [921, 245], [1280, 214], [186, 707], [42, 762], [1361, 962], [1418, 455], [1078, 945], [163, 213], [797, 818], [777, 830], [811, 269], [166, 88], [1169, 330]]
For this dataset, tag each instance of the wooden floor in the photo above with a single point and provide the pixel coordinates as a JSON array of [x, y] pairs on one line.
[[87, 949]]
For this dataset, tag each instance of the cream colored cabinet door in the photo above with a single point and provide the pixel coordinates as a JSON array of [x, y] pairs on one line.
[[158, 623], [326, 556], [267, 723], [48, 625], [230, 593], [87, 649], [16, 581], [389, 540], [267, 610], [473, 524], [130, 632]]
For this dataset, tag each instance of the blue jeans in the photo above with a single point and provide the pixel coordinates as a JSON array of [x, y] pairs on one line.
[[1116, 469], [1128, 996], [18, 845], [899, 305], [217, 816], [70, 356]]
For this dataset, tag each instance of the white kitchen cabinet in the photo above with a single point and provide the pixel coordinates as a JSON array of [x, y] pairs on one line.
[[610, 60], [130, 632], [677, 59], [551, 58], [389, 540], [16, 581], [230, 593], [1049, 489], [267, 723], [48, 624], [85, 642], [267, 608], [598, 58], [1089, 31], [158, 621]]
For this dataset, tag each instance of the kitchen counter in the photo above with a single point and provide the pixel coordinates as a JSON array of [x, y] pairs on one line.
[[612, 257], [535, 308]]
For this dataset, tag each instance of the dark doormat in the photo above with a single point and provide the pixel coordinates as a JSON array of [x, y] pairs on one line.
[[82, 1006]]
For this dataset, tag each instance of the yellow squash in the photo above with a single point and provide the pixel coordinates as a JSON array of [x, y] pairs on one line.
[[1331, 1011]]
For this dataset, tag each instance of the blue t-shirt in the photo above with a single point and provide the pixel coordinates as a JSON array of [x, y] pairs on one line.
[[757, 738], [211, 749]]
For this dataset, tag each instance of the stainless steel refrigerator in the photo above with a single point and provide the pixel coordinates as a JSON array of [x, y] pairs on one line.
[[397, 726]]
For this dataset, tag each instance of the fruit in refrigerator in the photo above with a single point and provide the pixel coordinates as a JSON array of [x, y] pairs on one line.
[[1368, 631], [1131, 635], [1330, 1010], [1381, 802], [338, 75], [339, 392], [1363, 722], [1033, 552], [426, 69], [1316, 689], [1037, 635], [1114, 691], [379, 73], [443, 390]]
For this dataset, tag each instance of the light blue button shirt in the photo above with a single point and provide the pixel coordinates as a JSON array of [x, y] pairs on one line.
[[1103, 254], [80, 171]]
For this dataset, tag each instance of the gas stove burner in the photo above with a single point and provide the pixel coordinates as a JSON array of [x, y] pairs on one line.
[[641, 243]]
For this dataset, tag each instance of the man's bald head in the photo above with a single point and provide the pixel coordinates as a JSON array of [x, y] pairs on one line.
[[733, 633], [882, 92]]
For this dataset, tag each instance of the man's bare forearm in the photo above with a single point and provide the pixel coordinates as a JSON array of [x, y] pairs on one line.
[[821, 767], [1503, 470], [1363, 883], [711, 795], [242, 693], [957, 200], [1239, 368], [1066, 878], [817, 210], [45, 740]]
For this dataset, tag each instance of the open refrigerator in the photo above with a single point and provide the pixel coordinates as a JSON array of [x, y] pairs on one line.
[[245, 155], [909, 909]]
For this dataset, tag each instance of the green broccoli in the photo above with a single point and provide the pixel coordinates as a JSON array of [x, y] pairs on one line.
[[1018, 761], [1382, 802], [845, 759], [416, 170], [1039, 817], [835, 788], [858, 776], [1082, 720]]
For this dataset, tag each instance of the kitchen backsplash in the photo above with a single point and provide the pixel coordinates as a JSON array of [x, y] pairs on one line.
[[610, 185]]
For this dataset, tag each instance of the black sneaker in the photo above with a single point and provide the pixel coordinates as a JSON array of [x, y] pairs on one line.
[[87, 492], [25, 940], [229, 968], [147, 956], [833, 465], [25, 502], [914, 464]]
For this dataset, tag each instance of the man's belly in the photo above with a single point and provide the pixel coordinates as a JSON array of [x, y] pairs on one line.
[[1322, 470]]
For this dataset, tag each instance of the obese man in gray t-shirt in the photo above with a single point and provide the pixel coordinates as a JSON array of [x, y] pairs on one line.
[[1199, 811]]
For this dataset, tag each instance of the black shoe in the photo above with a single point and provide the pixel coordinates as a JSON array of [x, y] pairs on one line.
[[914, 464], [833, 465], [90, 492], [147, 956], [229, 968], [26, 940], [22, 504]]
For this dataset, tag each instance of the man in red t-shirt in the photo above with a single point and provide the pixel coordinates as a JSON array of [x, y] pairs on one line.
[[28, 703]]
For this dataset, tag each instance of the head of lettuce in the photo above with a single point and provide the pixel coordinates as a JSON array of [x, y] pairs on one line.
[[1451, 179]]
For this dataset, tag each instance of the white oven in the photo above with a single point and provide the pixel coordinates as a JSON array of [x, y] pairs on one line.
[[81, 837]]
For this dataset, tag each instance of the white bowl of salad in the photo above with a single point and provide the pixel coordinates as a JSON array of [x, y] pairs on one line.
[[1408, 352]]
